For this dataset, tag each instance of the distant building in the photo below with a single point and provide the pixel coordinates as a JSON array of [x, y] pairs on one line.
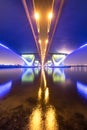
[[8, 57]]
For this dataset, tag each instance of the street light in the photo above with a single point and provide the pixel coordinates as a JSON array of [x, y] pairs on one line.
[[50, 15], [39, 41], [37, 16], [46, 41]]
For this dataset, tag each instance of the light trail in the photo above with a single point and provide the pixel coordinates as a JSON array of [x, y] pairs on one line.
[[57, 20], [29, 20]]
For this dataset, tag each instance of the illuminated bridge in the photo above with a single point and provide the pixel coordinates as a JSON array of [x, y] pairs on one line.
[[41, 31], [43, 15], [52, 59]]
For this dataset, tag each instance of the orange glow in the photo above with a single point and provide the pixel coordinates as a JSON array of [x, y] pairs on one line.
[[37, 16], [35, 120], [44, 77], [39, 41], [46, 41], [46, 95], [39, 94], [43, 25], [50, 15], [50, 121]]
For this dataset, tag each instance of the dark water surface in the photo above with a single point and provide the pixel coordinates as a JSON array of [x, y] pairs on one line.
[[26, 105]]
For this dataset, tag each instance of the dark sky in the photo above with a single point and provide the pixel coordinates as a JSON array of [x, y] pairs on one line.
[[15, 31], [71, 31]]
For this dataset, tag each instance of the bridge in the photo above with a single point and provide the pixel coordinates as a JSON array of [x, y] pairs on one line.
[[43, 15], [33, 58]]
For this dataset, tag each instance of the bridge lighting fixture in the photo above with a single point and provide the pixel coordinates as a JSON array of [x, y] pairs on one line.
[[46, 41], [39, 41], [50, 15], [37, 16]]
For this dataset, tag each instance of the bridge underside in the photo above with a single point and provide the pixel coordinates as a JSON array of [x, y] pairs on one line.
[[53, 59]]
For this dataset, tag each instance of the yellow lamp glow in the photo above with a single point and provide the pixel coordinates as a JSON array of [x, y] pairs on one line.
[[37, 16], [39, 41], [50, 15], [46, 41]]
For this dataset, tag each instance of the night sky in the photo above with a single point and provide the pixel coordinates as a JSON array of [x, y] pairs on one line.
[[15, 30], [71, 31]]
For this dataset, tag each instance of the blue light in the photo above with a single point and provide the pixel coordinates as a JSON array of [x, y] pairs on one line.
[[83, 45], [7, 53], [4, 46], [5, 89], [82, 89]]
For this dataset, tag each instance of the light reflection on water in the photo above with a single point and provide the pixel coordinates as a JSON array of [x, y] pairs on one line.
[[28, 76], [44, 112], [35, 120], [36, 70], [46, 97], [50, 121], [8, 76], [43, 119], [67, 76], [82, 89], [49, 70], [43, 94], [58, 75], [5, 89], [39, 94], [44, 115]]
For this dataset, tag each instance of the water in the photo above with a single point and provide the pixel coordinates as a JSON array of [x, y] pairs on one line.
[[55, 100]]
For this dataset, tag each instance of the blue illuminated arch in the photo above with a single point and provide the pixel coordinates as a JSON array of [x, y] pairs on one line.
[[5, 89], [82, 89]]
